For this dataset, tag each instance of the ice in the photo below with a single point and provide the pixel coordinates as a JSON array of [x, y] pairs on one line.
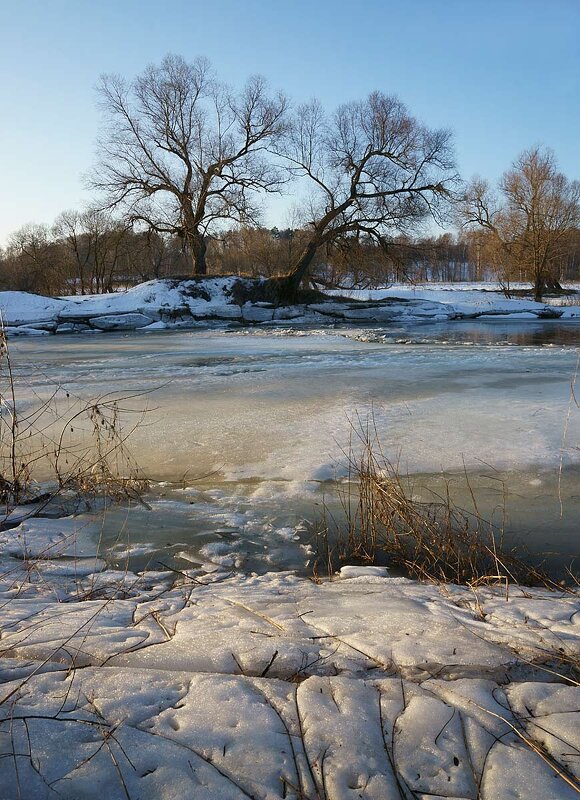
[[24, 330], [75, 537], [127, 322], [269, 420], [169, 662], [506, 411], [548, 715], [259, 687], [516, 773]]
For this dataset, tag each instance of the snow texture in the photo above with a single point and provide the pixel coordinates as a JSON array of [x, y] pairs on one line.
[[277, 687], [186, 304]]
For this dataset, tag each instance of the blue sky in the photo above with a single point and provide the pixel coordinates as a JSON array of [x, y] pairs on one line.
[[503, 75]]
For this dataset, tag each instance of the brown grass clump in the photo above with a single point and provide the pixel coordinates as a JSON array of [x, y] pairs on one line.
[[435, 541]]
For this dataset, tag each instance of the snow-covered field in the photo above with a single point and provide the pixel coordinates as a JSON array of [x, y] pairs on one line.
[[189, 304], [465, 300], [483, 286]]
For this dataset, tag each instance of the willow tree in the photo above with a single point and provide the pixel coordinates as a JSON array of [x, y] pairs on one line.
[[181, 153], [530, 221], [371, 170]]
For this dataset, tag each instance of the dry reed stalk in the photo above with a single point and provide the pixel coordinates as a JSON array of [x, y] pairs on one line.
[[434, 541]]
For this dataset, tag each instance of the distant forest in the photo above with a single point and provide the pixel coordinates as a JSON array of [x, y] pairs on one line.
[[185, 164]]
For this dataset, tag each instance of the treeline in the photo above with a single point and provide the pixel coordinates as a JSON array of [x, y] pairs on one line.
[[86, 253], [185, 164], [93, 253]]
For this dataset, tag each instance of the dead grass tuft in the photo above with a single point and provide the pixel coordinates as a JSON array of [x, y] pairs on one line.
[[434, 541]]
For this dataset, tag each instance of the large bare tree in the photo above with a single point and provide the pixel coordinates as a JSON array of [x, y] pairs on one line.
[[372, 170], [531, 221], [181, 152]]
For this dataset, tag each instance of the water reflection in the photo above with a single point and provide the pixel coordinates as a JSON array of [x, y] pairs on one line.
[[518, 333]]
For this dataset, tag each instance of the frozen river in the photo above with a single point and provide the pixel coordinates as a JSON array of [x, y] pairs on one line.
[[247, 428]]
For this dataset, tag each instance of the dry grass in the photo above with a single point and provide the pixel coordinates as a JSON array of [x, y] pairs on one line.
[[61, 444], [435, 541]]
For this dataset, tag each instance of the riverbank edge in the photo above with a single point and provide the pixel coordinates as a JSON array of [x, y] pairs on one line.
[[190, 304]]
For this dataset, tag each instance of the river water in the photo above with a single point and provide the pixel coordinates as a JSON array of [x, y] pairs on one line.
[[248, 430]]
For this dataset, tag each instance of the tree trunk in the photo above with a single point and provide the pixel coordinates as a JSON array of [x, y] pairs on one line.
[[292, 282], [200, 265], [539, 288], [198, 247]]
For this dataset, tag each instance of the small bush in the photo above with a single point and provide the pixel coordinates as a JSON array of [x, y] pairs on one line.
[[62, 444]]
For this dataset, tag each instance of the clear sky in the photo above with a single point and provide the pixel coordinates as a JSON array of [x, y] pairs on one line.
[[503, 74]]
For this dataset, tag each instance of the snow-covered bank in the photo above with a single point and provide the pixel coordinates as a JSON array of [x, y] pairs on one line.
[[189, 304], [276, 687], [463, 301], [483, 286]]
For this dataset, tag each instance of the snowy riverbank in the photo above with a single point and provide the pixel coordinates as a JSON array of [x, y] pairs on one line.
[[221, 685], [233, 686], [188, 304]]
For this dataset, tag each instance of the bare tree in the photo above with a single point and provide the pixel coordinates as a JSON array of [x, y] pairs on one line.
[[181, 152], [69, 227], [95, 244], [372, 170], [34, 261], [146, 255], [532, 219]]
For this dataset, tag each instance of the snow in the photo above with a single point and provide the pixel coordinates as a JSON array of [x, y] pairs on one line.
[[464, 301], [123, 322], [358, 571], [277, 687], [212, 683], [51, 538], [205, 298], [507, 409], [24, 330], [22, 308], [217, 685], [191, 303], [268, 418], [468, 286]]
